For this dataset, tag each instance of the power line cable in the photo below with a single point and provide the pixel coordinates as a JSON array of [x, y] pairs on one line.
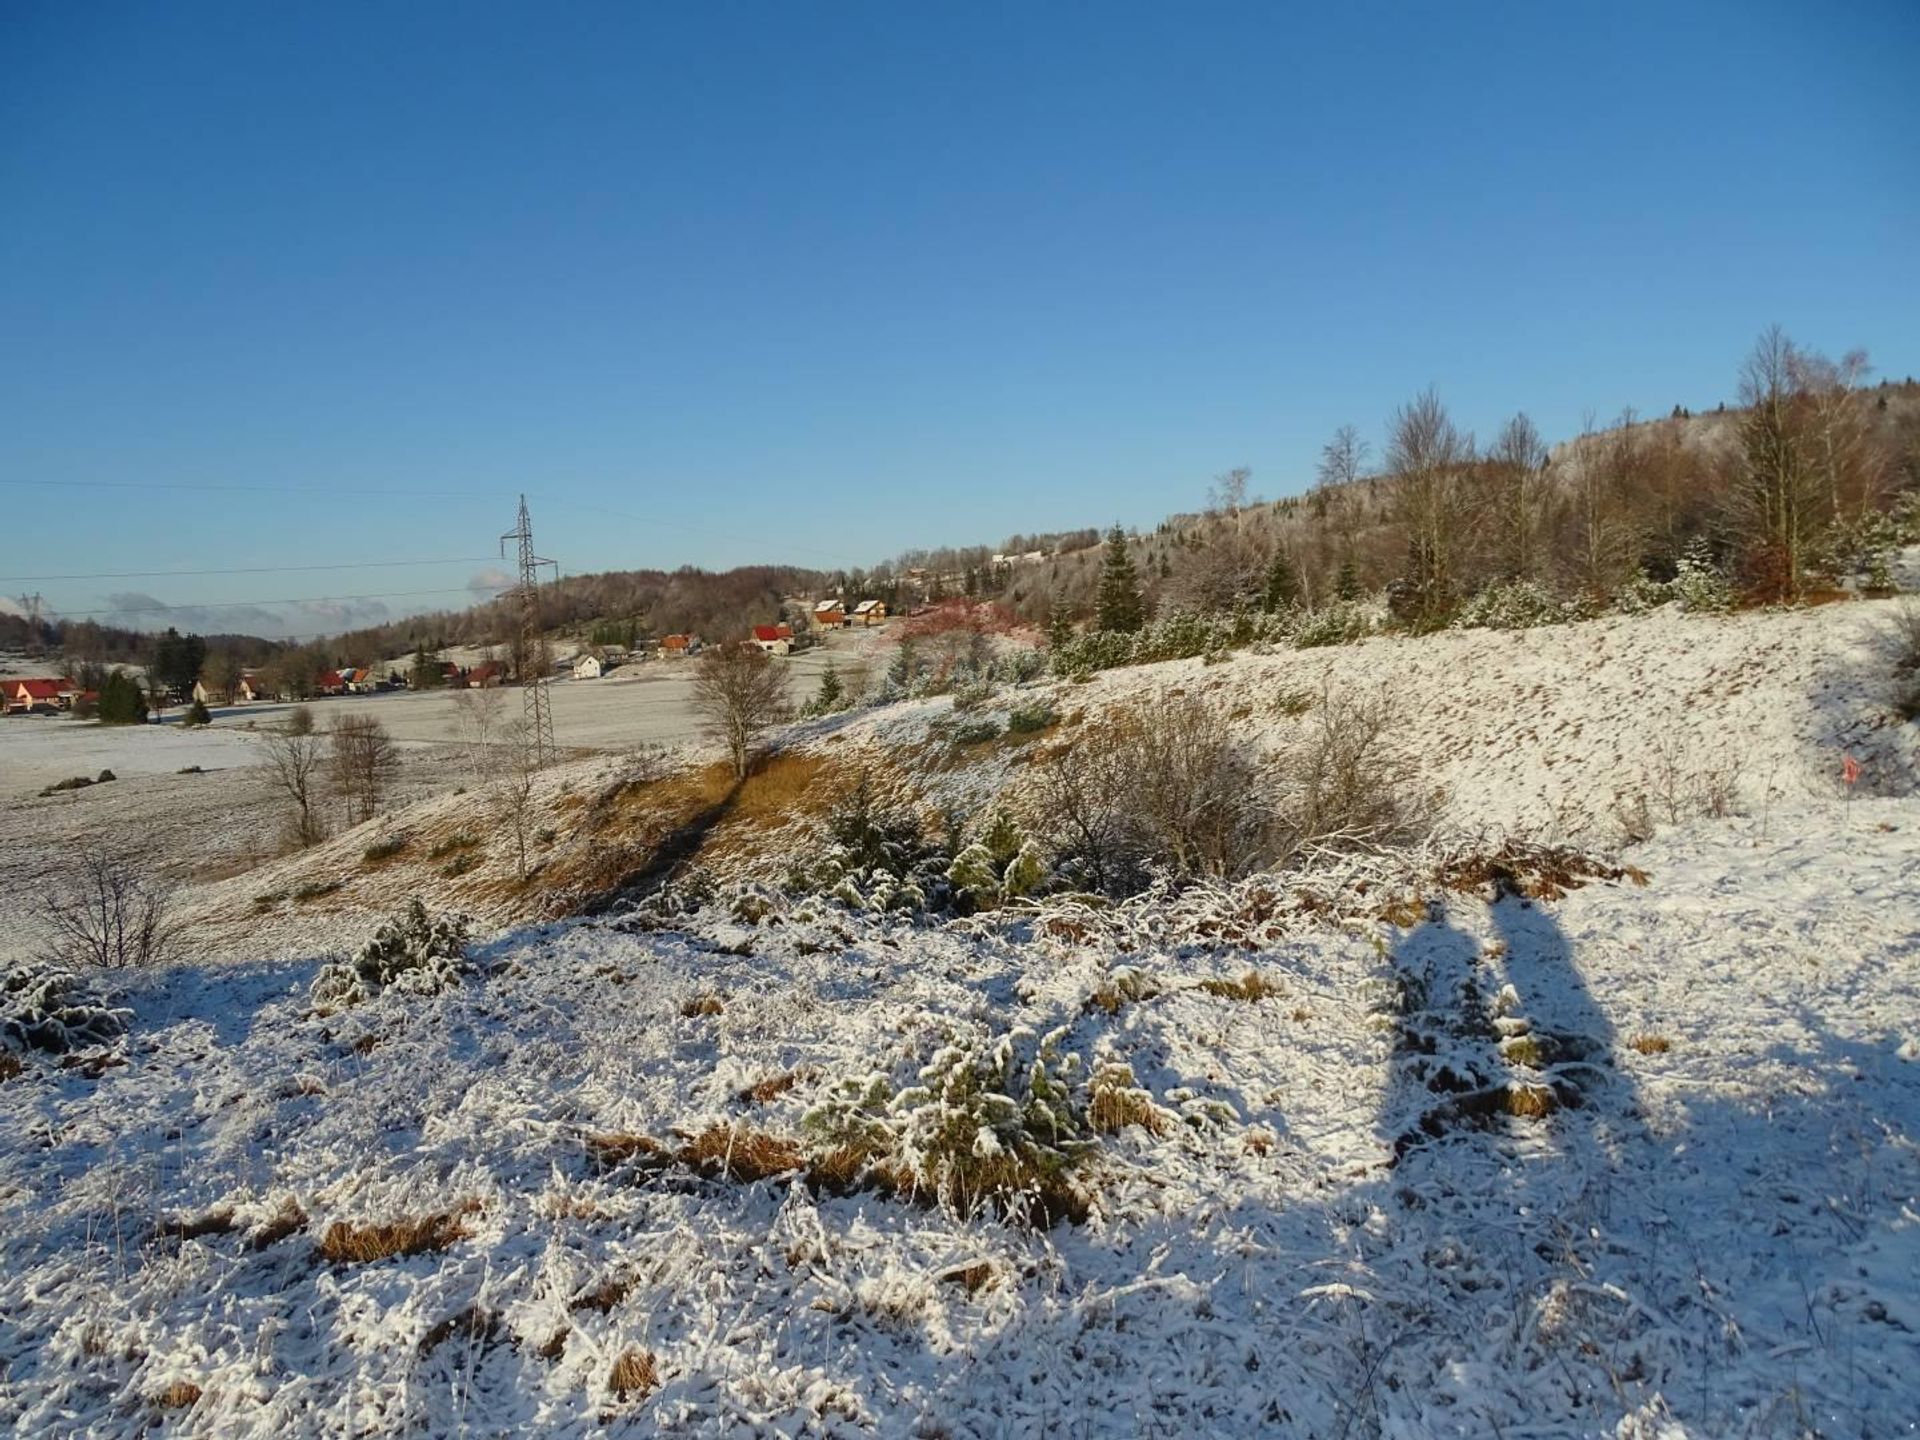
[[315, 490], [250, 570], [163, 609]]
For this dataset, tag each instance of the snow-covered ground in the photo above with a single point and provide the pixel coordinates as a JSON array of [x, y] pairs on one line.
[[1723, 1238], [1637, 1161]]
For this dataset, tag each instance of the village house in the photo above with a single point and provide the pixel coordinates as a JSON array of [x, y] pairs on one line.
[[329, 682], [360, 681], [673, 647], [24, 697], [254, 687], [870, 612], [774, 639], [487, 675], [589, 667], [829, 615]]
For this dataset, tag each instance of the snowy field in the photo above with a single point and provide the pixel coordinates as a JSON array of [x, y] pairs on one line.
[[1718, 1235]]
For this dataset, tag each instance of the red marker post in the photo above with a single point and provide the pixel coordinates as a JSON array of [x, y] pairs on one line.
[[1849, 776]]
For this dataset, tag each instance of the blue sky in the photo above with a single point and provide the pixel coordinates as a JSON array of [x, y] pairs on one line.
[[720, 283]]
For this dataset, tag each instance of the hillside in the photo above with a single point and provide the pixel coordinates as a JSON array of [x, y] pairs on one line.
[[1412, 1142]]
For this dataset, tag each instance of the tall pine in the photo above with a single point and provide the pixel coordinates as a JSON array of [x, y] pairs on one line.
[[1059, 621], [1119, 607]]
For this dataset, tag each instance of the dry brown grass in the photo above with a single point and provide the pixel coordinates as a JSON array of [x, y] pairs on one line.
[[218, 1221], [972, 1278], [10, 1066], [702, 1005], [604, 1296], [180, 1395], [1251, 987], [613, 1149], [1530, 1102], [288, 1220], [763, 1092], [473, 1325], [741, 1154], [634, 1376], [344, 1243], [1651, 1044], [1111, 1108]]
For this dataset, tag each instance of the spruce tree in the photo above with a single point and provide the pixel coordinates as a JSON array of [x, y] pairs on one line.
[[427, 674], [828, 700], [1059, 622], [1283, 587], [122, 702], [1347, 585], [1119, 608]]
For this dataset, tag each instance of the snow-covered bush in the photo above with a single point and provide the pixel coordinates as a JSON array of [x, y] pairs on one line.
[[1698, 585], [1514, 605], [1018, 666], [878, 859], [1030, 719], [994, 1121], [1641, 595], [413, 953], [44, 1006], [1340, 623], [1002, 863]]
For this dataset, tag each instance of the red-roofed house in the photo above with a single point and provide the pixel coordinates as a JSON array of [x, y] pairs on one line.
[[829, 615], [774, 639], [25, 696], [673, 647], [255, 687], [328, 682], [486, 675]]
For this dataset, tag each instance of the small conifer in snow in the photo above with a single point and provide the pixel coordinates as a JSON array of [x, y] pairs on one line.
[[413, 953]]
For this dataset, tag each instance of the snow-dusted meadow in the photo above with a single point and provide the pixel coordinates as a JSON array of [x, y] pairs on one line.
[[1694, 1212]]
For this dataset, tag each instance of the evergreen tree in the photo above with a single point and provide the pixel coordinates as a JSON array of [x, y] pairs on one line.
[[1119, 608], [177, 660], [1283, 586], [1059, 622], [831, 691], [197, 714], [1347, 585], [427, 674], [905, 668], [121, 700]]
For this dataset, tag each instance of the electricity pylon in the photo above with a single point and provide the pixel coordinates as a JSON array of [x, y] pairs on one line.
[[532, 658]]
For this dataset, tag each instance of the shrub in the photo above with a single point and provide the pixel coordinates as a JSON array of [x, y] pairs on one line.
[[1343, 782], [122, 701], [1341, 623], [996, 1122], [878, 858], [453, 844], [1031, 718], [1002, 864], [106, 914], [1514, 605], [1699, 585], [411, 953], [197, 714], [314, 889], [976, 732], [385, 849], [45, 1006]]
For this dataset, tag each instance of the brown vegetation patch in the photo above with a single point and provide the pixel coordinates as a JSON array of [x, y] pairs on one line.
[[741, 1154], [218, 1221], [1250, 987], [604, 1296], [344, 1243], [774, 1086], [1538, 872], [473, 1326], [634, 1376], [611, 1150], [10, 1065], [1651, 1044], [972, 1278], [93, 1066], [288, 1220], [702, 1005], [180, 1395], [1112, 1108]]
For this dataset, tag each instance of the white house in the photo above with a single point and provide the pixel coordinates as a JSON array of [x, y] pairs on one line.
[[588, 667]]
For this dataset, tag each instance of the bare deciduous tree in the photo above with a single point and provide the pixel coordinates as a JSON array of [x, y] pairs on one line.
[[364, 762], [1430, 458], [295, 761], [1517, 467], [1778, 502], [739, 694], [510, 790], [480, 715], [105, 913]]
